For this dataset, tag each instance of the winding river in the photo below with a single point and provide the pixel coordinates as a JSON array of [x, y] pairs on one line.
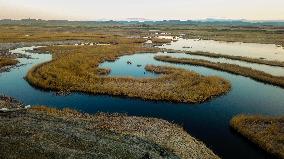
[[208, 122]]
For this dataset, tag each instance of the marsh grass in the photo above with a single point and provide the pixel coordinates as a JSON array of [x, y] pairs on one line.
[[75, 68], [18, 33], [158, 41], [231, 68], [171, 137], [266, 132], [6, 61]]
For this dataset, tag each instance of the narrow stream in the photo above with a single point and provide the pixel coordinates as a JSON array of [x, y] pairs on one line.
[[208, 122]]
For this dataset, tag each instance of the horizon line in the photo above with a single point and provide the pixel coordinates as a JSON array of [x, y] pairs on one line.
[[145, 19]]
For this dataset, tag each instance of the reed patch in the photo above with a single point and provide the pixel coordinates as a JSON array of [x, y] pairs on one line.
[[266, 132], [75, 68], [5, 61]]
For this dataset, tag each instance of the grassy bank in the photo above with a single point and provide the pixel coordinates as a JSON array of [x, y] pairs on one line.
[[5, 61], [75, 68], [231, 68], [43, 132], [267, 132]]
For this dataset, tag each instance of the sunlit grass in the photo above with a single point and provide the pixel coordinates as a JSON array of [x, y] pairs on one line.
[[75, 68]]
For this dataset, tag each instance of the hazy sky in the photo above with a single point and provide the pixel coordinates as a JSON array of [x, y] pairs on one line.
[[150, 9]]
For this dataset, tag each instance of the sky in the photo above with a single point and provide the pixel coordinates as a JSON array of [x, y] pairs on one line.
[[148, 9]]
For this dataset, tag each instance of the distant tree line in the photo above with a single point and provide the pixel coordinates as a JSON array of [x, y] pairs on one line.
[[208, 22]]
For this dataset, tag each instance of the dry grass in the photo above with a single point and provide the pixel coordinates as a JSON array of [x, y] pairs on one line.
[[167, 135], [231, 68], [76, 69], [5, 61], [160, 41], [267, 132], [9, 103], [45, 33], [10, 33]]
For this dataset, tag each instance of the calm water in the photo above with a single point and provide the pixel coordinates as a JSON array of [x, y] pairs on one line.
[[267, 51], [273, 70], [208, 122]]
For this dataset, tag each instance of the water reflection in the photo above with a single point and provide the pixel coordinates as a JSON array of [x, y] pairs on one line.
[[253, 50]]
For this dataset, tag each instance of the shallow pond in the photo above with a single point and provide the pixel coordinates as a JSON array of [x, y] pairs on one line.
[[208, 122], [253, 50]]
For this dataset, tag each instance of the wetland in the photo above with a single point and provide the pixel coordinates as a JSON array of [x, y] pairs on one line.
[[204, 114]]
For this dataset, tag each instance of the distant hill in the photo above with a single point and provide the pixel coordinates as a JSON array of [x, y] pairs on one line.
[[144, 22]]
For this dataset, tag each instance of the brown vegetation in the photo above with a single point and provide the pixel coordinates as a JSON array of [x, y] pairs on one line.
[[51, 133], [9, 103], [159, 41], [267, 132], [231, 68], [6, 61], [75, 68], [110, 35], [10, 33]]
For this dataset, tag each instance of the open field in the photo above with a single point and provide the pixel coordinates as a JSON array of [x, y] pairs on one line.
[[266, 132], [45, 33], [75, 68], [231, 68], [21, 33], [43, 132]]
